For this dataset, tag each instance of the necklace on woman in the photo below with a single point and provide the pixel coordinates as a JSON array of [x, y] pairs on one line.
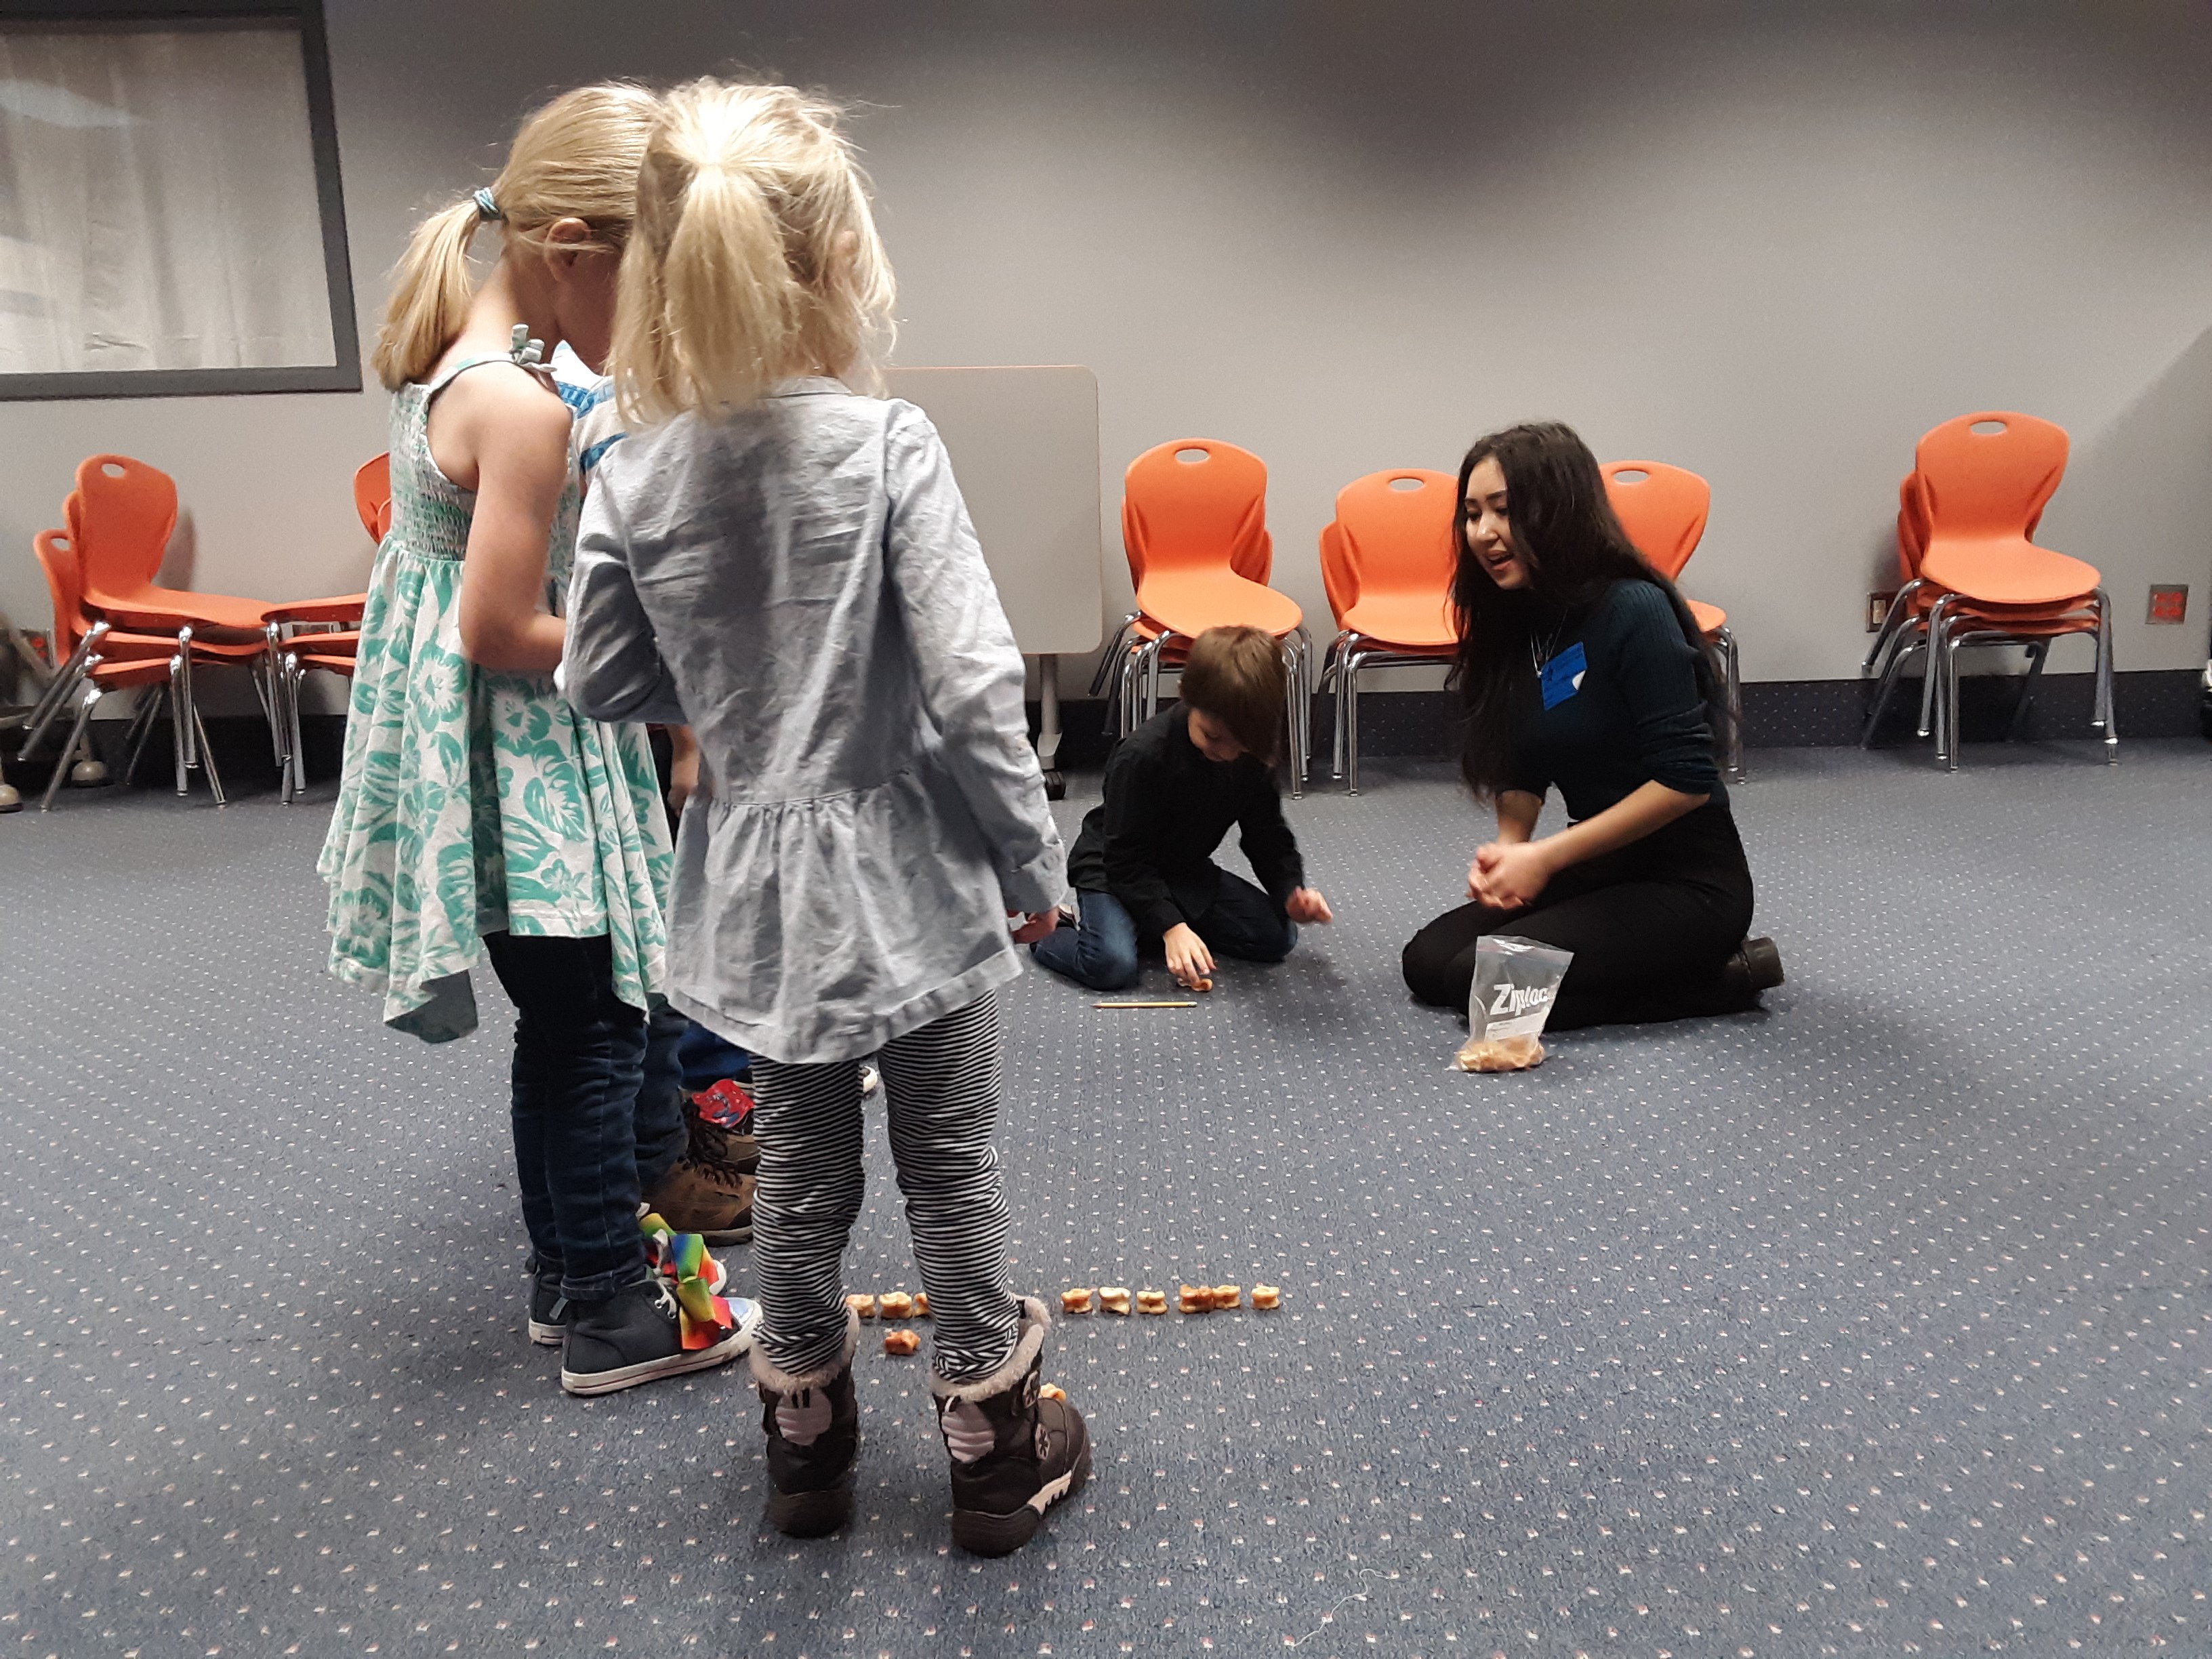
[[1539, 655]]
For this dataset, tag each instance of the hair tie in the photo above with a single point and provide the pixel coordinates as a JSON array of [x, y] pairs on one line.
[[486, 208]]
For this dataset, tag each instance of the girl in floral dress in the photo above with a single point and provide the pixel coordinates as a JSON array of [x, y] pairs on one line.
[[478, 814]]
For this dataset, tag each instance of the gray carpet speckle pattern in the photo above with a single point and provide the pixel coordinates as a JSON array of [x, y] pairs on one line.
[[1874, 1323]]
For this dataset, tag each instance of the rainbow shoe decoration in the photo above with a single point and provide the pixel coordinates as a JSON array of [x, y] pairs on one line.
[[696, 1280]]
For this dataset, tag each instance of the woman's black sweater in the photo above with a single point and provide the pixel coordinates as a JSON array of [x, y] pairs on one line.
[[1628, 712]]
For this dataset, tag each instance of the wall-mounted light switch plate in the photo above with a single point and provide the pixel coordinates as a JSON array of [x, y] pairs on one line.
[[2169, 602]]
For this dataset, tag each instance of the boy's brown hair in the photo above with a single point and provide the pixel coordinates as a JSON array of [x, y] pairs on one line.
[[1235, 675]]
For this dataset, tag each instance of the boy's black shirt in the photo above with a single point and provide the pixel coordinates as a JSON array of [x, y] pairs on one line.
[[1167, 807]]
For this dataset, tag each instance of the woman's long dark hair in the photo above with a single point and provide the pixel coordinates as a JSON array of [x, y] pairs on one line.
[[1573, 548]]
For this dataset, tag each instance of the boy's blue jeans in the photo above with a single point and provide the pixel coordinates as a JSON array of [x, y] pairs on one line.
[[707, 1057], [597, 1116], [1101, 950]]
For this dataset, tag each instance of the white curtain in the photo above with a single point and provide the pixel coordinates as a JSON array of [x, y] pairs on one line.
[[157, 201]]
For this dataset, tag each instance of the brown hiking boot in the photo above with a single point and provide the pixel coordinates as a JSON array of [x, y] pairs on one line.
[[711, 1199], [718, 1143]]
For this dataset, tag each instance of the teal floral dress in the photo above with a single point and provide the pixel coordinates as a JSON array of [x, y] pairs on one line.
[[472, 801]]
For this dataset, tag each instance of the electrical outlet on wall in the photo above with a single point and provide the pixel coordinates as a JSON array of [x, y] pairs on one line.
[[2169, 602], [1878, 610]]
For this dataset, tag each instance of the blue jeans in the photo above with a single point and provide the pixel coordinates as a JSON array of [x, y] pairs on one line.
[[1101, 950], [594, 1097], [708, 1057], [661, 1135]]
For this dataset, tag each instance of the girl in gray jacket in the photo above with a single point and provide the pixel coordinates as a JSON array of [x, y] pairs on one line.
[[786, 567]]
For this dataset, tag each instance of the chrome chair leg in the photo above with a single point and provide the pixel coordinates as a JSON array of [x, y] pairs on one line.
[[1332, 679], [1306, 681], [1892, 672], [207, 760], [296, 768], [2038, 654], [53, 708], [187, 702], [1286, 653], [87, 700], [2105, 676], [1732, 689], [1950, 693], [1153, 653], [63, 685], [180, 719], [1113, 653], [141, 730], [1355, 664], [1894, 624], [1935, 621]]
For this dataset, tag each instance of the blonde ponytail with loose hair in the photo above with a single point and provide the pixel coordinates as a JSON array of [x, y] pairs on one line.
[[575, 158], [755, 258]]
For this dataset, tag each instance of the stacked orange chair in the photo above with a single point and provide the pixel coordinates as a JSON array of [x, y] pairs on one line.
[[100, 661], [1386, 563], [123, 513], [1194, 523], [127, 511], [1664, 509], [324, 635], [1974, 576]]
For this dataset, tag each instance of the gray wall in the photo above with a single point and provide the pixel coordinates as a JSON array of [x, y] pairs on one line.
[[1773, 243]]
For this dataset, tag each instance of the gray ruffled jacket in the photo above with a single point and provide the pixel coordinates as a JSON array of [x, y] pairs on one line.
[[799, 583]]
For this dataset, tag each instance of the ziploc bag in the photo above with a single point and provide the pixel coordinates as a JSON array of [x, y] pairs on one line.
[[1516, 982]]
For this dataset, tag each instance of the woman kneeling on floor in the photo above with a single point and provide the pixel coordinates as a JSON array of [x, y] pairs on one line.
[[1579, 667]]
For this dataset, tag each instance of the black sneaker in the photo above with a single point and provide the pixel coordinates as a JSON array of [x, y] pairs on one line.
[[636, 1335], [548, 1308]]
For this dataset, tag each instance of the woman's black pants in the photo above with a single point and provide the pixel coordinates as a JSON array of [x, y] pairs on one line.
[[1651, 925]]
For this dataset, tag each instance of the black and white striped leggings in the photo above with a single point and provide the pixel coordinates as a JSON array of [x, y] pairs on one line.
[[941, 1092]]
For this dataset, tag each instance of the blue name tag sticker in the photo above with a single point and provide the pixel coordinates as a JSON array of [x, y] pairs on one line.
[[1563, 675]]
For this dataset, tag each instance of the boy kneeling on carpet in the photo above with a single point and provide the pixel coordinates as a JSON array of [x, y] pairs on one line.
[[1143, 868]]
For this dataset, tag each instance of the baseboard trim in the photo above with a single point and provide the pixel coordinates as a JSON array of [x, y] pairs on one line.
[[1408, 725], [1776, 714]]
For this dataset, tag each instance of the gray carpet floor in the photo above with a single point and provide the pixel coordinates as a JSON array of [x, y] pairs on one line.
[[1874, 1323]]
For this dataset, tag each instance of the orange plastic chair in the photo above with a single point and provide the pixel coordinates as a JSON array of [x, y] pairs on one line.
[[1386, 563], [1252, 556], [88, 638], [372, 495], [1664, 509], [1193, 511], [1979, 485], [324, 635], [1986, 477], [1914, 597], [124, 512], [126, 515], [91, 673]]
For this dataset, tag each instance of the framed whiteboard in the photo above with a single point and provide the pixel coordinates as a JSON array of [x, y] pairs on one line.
[[1024, 448]]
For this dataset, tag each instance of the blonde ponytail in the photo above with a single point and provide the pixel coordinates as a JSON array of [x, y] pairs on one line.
[[576, 158], [755, 257], [430, 294]]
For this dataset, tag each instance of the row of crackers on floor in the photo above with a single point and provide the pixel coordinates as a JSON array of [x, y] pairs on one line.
[[1111, 1298]]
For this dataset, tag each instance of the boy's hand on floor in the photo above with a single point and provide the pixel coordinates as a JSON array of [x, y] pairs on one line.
[[1188, 959], [1036, 924], [1306, 904]]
